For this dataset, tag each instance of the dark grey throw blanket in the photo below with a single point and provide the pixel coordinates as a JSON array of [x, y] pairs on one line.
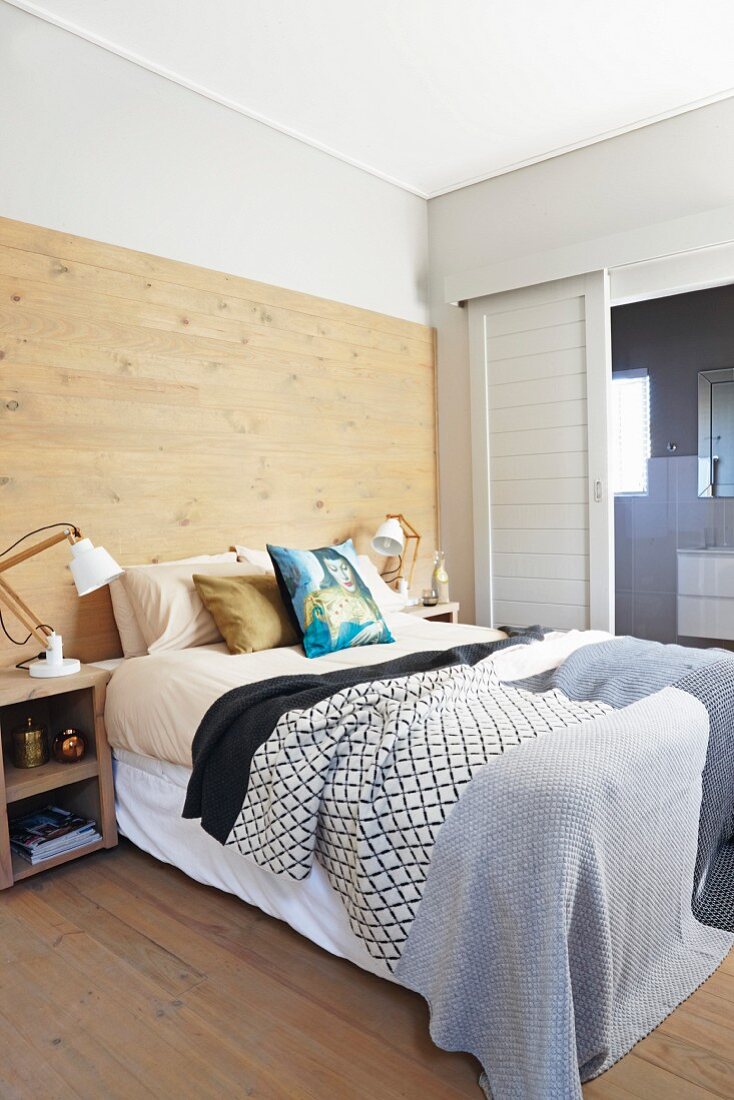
[[240, 722]]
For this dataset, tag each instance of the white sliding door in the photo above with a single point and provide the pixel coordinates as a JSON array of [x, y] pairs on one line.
[[540, 362]]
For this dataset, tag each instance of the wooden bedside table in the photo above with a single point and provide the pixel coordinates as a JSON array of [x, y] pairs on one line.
[[440, 612], [85, 787]]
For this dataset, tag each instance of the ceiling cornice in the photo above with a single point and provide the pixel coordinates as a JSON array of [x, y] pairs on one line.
[[40, 12]]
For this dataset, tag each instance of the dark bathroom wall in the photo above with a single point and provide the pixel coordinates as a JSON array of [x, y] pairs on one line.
[[675, 338]]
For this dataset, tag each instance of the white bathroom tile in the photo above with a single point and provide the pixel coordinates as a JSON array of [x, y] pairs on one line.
[[624, 535], [686, 478], [657, 479]]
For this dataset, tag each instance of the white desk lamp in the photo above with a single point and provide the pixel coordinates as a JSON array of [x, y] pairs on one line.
[[91, 567], [389, 541]]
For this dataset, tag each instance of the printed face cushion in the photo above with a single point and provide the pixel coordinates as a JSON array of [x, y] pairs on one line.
[[331, 603]]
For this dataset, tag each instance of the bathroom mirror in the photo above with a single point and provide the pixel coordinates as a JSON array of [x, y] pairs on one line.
[[716, 433]]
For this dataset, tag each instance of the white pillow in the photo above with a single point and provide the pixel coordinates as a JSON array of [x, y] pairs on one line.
[[261, 558], [386, 598], [168, 607], [131, 636]]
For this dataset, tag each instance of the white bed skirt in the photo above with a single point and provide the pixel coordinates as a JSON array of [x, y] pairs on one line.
[[149, 796]]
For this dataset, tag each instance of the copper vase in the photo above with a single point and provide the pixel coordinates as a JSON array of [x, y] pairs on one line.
[[69, 746]]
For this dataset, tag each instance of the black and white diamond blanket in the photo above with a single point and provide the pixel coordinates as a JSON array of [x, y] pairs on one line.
[[364, 780]]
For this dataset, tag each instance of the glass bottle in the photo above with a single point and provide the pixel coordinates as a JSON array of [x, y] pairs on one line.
[[440, 577]]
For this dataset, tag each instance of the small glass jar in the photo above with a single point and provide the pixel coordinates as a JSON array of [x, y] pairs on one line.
[[30, 745]]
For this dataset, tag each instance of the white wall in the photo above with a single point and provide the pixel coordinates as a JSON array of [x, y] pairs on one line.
[[676, 168], [96, 146]]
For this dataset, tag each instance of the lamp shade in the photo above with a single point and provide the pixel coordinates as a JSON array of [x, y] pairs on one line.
[[92, 567], [389, 539]]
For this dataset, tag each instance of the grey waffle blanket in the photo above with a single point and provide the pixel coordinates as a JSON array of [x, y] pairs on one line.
[[621, 671], [556, 927]]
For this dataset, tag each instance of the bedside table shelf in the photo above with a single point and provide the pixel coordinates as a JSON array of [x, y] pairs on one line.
[[24, 782], [22, 869], [84, 787]]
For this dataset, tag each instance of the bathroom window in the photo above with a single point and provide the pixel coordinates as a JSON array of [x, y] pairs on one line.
[[630, 431]]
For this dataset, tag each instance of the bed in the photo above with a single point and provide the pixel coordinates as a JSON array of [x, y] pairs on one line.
[[154, 705], [551, 954]]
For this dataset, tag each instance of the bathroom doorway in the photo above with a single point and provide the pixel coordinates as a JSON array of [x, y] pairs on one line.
[[673, 545]]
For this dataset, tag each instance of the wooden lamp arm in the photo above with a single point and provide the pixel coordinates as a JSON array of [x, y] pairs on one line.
[[10, 598], [415, 558], [23, 613], [410, 535], [70, 533]]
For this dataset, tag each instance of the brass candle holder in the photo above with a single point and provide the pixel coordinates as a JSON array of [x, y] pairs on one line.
[[30, 745]]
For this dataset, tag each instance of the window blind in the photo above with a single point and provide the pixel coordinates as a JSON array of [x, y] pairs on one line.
[[631, 431]]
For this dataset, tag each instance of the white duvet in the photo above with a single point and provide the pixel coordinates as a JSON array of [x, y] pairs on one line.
[[155, 703]]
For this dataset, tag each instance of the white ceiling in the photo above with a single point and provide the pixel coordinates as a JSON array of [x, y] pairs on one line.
[[430, 94]]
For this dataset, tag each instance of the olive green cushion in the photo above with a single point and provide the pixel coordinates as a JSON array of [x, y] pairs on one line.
[[248, 611]]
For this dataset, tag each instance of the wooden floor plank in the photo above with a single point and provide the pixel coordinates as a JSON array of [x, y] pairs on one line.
[[280, 954], [645, 1081], [121, 978], [122, 1054], [689, 1061], [174, 1025], [140, 951], [319, 1045], [21, 1076]]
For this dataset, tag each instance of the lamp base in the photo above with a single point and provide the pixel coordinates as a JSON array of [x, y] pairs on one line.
[[45, 669]]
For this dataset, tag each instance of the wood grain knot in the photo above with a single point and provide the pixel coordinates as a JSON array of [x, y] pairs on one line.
[[11, 406], [16, 297], [319, 504], [184, 320]]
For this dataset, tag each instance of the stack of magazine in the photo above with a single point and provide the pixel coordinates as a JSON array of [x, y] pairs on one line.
[[50, 832]]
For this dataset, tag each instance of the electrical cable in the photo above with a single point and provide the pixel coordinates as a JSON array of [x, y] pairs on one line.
[[46, 527], [28, 535]]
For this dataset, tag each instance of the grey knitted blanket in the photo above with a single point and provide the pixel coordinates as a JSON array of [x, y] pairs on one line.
[[556, 927]]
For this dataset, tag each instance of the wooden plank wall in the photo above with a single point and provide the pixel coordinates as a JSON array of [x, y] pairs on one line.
[[169, 410]]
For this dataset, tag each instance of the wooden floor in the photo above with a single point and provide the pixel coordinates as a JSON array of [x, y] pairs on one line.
[[120, 977]]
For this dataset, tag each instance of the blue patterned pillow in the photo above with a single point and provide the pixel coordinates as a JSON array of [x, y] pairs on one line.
[[333, 606]]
